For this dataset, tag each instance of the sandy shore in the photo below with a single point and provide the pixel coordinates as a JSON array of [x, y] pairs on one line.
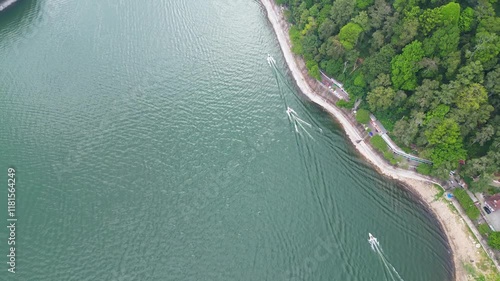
[[462, 242]]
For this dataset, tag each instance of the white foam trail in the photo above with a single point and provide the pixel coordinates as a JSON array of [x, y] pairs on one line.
[[297, 121], [282, 95], [284, 79], [270, 60], [304, 130], [303, 122], [292, 114], [291, 111], [375, 247], [390, 268]]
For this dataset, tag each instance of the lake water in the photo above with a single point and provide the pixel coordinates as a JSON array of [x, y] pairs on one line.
[[151, 142]]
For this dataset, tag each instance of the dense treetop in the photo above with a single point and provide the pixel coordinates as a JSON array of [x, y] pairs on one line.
[[427, 68]]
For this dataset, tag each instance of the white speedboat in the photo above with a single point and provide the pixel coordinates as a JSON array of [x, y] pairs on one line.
[[372, 238], [270, 59]]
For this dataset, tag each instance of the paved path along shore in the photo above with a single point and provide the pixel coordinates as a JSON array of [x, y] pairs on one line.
[[456, 228], [398, 151], [350, 130]]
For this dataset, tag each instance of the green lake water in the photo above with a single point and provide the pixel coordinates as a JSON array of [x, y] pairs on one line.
[[151, 142]]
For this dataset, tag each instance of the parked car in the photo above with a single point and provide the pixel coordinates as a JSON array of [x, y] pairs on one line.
[[487, 210]]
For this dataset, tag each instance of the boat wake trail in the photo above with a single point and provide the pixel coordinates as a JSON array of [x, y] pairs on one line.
[[294, 118], [270, 60], [277, 73], [391, 271], [298, 124], [272, 64]]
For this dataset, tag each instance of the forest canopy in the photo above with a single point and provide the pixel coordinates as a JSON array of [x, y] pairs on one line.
[[427, 68]]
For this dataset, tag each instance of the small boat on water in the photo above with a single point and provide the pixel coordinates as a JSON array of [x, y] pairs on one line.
[[372, 238], [270, 59]]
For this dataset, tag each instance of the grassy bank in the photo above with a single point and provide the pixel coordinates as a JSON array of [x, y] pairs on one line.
[[463, 198], [379, 144]]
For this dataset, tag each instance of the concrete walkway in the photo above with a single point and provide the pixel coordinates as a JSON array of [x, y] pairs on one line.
[[398, 151], [335, 86], [476, 233], [279, 26], [383, 133]]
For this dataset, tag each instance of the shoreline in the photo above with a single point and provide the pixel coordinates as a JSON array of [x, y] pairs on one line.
[[6, 4], [457, 230]]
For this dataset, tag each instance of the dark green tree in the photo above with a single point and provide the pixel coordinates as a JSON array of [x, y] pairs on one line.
[[494, 240], [405, 66], [326, 29], [426, 96], [349, 35], [428, 68], [341, 12], [363, 4], [492, 81], [379, 63], [381, 98], [405, 131], [378, 13], [446, 143], [363, 116], [466, 21], [486, 49]]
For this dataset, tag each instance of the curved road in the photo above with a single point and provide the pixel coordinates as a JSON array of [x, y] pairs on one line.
[[398, 151]]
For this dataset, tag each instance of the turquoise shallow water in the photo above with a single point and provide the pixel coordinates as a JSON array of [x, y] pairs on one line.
[[151, 142]]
